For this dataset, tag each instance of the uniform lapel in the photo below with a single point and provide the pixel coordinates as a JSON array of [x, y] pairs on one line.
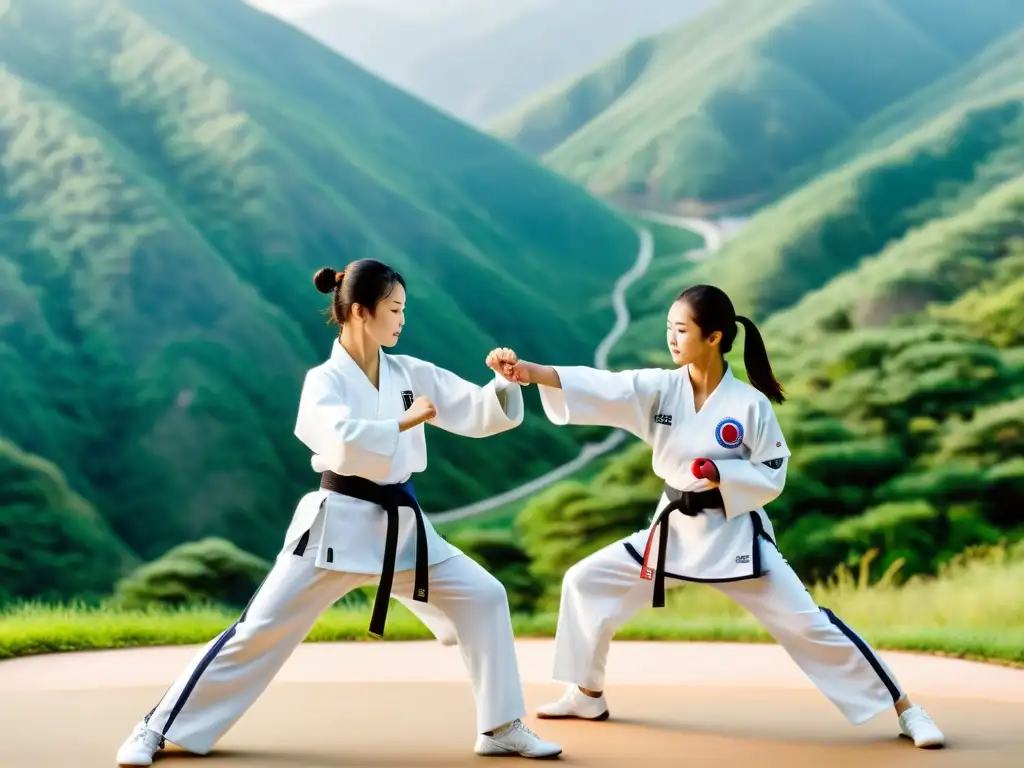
[[718, 417], [713, 401], [367, 393], [385, 407]]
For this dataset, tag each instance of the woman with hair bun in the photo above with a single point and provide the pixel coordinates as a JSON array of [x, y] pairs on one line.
[[361, 414], [720, 451]]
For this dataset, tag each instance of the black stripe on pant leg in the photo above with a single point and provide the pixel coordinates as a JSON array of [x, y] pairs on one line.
[[245, 611], [207, 659], [854, 638], [196, 674]]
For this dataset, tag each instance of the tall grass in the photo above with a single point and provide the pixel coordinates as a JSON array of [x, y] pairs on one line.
[[971, 609]]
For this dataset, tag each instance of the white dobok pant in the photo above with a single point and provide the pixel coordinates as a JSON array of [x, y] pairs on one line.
[[226, 677], [604, 590]]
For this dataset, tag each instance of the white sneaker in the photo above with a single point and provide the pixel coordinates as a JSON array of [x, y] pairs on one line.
[[918, 725], [575, 704], [515, 739], [139, 748]]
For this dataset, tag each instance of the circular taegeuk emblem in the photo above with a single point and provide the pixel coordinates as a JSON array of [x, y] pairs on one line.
[[729, 433]]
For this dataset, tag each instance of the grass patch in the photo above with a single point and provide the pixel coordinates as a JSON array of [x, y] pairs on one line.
[[941, 614]]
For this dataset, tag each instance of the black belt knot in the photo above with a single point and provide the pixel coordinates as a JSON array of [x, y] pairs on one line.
[[689, 503], [389, 498]]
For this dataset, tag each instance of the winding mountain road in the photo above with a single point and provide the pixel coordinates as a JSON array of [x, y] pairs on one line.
[[712, 233], [713, 237]]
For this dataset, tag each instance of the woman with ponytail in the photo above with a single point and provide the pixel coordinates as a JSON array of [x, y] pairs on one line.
[[722, 456]]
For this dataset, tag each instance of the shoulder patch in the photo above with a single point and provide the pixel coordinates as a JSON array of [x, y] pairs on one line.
[[729, 433], [773, 463]]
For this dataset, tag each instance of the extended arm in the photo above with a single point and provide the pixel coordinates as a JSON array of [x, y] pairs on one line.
[[592, 396], [471, 410], [346, 445]]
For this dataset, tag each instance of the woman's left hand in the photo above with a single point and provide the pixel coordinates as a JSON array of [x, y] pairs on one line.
[[705, 469]]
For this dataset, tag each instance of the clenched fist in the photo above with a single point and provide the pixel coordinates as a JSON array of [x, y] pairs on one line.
[[705, 469], [503, 361], [422, 409]]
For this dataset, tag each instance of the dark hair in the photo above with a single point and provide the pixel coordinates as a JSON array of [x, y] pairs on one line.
[[365, 282], [712, 311]]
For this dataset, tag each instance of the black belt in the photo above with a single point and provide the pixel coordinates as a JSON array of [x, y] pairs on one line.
[[390, 497], [689, 503]]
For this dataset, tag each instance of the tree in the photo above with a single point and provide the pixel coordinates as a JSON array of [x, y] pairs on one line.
[[211, 570], [53, 544], [498, 552], [571, 520]]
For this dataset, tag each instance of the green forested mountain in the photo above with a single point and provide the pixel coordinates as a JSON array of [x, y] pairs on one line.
[[953, 148], [478, 59], [734, 104], [54, 544], [889, 290], [171, 175], [482, 76]]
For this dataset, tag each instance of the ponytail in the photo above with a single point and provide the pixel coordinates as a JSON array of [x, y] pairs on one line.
[[755, 360], [712, 310]]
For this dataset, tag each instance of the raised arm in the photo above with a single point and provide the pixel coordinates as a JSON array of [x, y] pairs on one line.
[[591, 396], [344, 444], [468, 409], [751, 483]]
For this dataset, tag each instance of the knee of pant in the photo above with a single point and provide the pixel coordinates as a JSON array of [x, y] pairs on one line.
[[490, 592], [812, 626], [576, 578], [251, 636]]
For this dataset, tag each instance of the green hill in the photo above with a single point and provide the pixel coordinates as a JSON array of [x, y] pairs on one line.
[[53, 543], [478, 59], [481, 76], [992, 76], [171, 175], [730, 105], [905, 415], [889, 290], [936, 153]]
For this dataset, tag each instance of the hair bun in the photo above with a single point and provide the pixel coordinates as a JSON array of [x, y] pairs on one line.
[[325, 280]]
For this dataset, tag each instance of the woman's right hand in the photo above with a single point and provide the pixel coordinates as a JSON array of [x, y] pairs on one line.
[[507, 365], [522, 372], [421, 410]]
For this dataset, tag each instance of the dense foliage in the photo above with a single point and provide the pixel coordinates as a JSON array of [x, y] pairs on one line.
[[171, 175], [211, 571], [736, 103], [889, 290], [166, 192]]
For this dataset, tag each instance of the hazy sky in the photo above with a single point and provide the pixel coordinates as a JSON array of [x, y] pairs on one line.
[[290, 9]]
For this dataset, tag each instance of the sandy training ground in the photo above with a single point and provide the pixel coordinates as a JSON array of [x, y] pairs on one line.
[[406, 704]]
